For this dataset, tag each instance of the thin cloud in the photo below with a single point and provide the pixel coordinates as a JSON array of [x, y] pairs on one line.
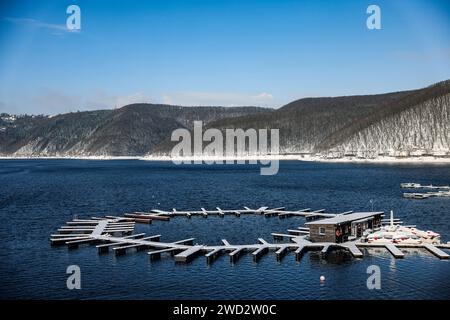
[[57, 29], [54, 102], [443, 54], [103, 99], [189, 98], [51, 101]]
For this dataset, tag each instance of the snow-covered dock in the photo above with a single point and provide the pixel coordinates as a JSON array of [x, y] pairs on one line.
[[438, 191], [117, 233], [412, 185]]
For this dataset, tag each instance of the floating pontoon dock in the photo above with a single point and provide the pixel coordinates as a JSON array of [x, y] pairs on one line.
[[412, 185], [117, 233], [442, 191]]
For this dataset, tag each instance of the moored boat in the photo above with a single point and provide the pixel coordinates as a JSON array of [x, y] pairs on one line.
[[395, 233]]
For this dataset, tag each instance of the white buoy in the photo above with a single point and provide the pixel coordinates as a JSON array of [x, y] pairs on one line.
[[322, 279]]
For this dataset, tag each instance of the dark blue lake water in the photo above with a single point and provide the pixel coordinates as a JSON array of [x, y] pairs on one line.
[[38, 196]]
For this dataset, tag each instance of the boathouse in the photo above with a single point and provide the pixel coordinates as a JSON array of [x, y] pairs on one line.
[[343, 227]]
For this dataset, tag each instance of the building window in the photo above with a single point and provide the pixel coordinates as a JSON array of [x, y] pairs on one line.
[[322, 231]]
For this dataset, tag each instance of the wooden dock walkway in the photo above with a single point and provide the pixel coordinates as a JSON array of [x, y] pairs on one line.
[[299, 252], [188, 254], [116, 232], [258, 253], [353, 250], [235, 254], [436, 251], [281, 252], [265, 211], [396, 252]]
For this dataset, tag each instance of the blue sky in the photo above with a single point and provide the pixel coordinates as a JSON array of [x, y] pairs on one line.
[[214, 52]]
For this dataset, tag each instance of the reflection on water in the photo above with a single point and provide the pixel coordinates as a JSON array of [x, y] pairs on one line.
[[332, 257]]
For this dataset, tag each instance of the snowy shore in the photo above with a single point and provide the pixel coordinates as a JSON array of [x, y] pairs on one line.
[[309, 158], [69, 157], [266, 158]]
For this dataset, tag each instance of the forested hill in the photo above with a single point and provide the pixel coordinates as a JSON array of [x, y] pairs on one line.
[[399, 124], [408, 123], [132, 130]]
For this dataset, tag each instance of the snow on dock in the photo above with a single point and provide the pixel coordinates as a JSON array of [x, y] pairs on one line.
[[396, 252], [436, 251], [439, 191], [353, 250], [411, 185], [117, 233], [187, 254]]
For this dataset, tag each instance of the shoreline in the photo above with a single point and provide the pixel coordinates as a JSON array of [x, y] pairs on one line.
[[288, 157], [69, 158]]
